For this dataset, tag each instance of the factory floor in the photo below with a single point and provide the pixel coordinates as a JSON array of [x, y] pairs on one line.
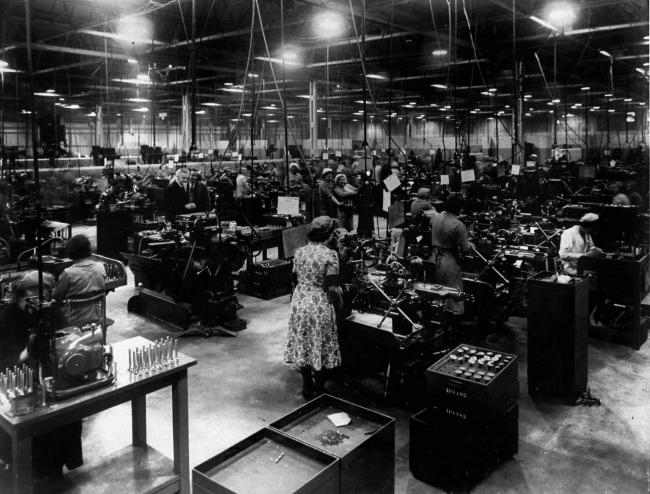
[[240, 385]]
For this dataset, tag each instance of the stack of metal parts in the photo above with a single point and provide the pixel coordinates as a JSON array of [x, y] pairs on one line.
[[471, 424], [151, 358], [17, 389]]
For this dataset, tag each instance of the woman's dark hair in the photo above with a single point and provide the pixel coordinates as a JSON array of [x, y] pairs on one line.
[[78, 247], [454, 204]]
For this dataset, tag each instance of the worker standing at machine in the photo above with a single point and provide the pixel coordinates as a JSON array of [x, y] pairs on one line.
[[345, 194], [312, 340], [243, 189], [176, 198], [577, 242], [328, 201], [449, 241]]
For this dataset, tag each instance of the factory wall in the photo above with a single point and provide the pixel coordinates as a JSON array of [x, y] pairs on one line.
[[421, 135]]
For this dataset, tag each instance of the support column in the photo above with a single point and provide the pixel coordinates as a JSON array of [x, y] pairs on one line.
[[313, 118]]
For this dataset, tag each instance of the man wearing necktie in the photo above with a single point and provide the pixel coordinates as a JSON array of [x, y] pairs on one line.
[[176, 199]]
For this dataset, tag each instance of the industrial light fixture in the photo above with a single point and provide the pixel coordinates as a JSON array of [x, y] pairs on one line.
[[227, 83], [47, 94], [585, 88], [200, 112], [556, 100], [608, 95], [135, 81], [544, 23], [304, 96], [640, 70], [91, 114], [487, 93], [132, 29], [250, 74], [211, 103], [605, 53], [73, 107], [439, 86], [561, 14], [492, 90], [132, 61], [141, 110], [329, 25], [611, 110], [138, 100], [627, 100], [247, 114], [439, 53], [375, 76], [233, 89], [526, 96]]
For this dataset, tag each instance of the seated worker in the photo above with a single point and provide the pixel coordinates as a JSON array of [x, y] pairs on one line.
[[59, 447], [176, 199], [83, 279], [198, 192], [577, 242]]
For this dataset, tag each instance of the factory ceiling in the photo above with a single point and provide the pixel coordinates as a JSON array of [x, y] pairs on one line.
[[416, 55]]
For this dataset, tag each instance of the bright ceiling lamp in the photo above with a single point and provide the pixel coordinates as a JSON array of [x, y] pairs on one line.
[[585, 88], [141, 110], [132, 61], [561, 14], [3, 64], [134, 30], [376, 76], [138, 100], [329, 25], [211, 103], [48, 94], [439, 53], [439, 86]]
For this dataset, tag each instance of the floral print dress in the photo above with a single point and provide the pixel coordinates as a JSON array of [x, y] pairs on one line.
[[312, 339]]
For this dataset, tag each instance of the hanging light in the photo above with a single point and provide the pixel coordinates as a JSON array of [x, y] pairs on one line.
[[329, 25], [439, 53]]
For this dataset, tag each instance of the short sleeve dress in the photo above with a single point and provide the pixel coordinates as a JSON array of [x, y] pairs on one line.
[[312, 338]]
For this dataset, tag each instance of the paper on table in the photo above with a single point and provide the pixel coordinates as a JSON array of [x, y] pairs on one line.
[[289, 205], [444, 179], [515, 170], [467, 175], [386, 200], [392, 182], [339, 419]]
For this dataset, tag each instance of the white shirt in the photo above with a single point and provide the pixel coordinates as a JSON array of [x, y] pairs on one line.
[[574, 243], [242, 188]]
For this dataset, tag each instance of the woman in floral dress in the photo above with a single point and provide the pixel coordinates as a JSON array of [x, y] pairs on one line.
[[312, 342]]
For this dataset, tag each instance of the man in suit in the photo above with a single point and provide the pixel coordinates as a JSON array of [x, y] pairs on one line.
[[199, 193], [176, 199]]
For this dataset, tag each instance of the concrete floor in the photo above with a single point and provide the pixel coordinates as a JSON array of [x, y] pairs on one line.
[[240, 386]]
